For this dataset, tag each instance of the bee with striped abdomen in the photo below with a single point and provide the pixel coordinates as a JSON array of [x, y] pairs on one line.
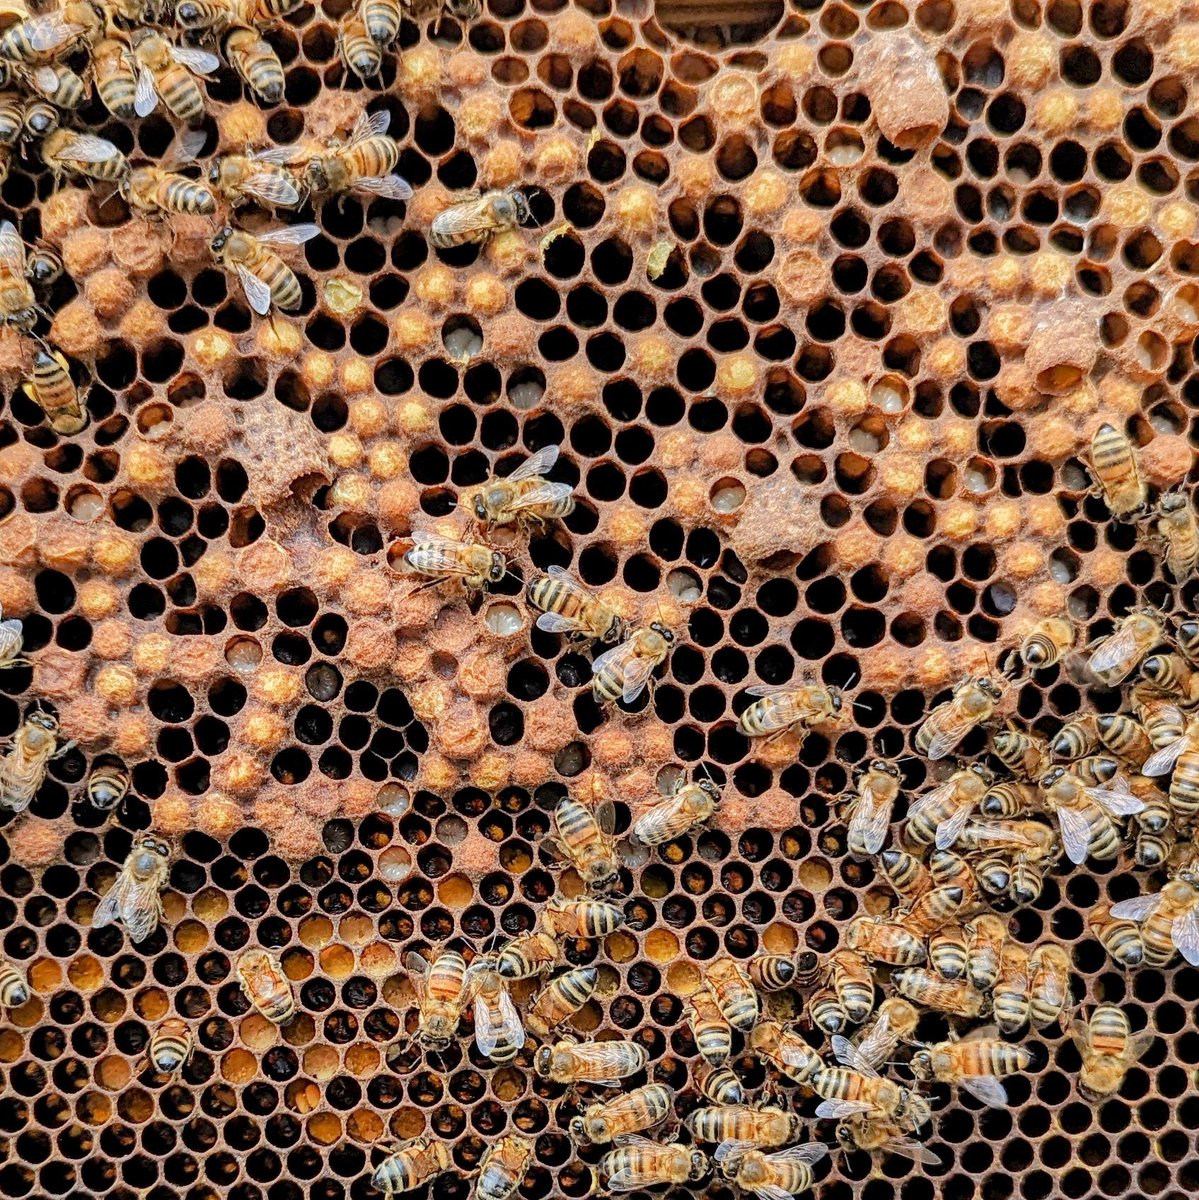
[[635, 1111], [973, 701], [985, 938], [826, 1012], [159, 190], [1009, 996], [908, 876], [440, 559], [849, 1091], [478, 216], [1030, 837], [412, 1164], [523, 498], [365, 164], [1011, 800], [640, 1163], [1119, 937], [1108, 1048], [215, 16], [1075, 739], [785, 1050], [974, 1063], [382, 19], [583, 837], [956, 997], [932, 910], [265, 278], [358, 51], [865, 1132], [440, 987], [116, 81], [622, 672], [26, 755], [760, 1125], [709, 1027], [778, 710], [561, 998], [1155, 838], [1171, 675], [530, 954], [807, 969], [938, 816], [1176, 526], [949, 869], [884, 941], [18, 305], [170, 1047], [503, 1167], [165, 72], [12, 641], [947, 951], [1115, 657], [1169, 922], [47, 37], [569, 608], [1114, 466], [53, 390], [601, 1063], [265, 985], [257, 176], [1045, 643], [1022, 752], [1187, 639], [107, 784], [871, 807], [1049, 993], [56, 83], [688, 806], [772, 972], [720, 1085], [1087, 815], [14, 991], [852, 983], [134, 899], [734, 993], [769, 1175], [581, 918], [499, 1035], [255, 60], [1125, 736]]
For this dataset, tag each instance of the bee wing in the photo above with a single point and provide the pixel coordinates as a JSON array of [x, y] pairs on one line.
[[910, 1148], [1000, 833], [544, 493], [636, 676], [985, 1088], [135, 905], [764, 689], [771, 1191], [731, 1149], [273, 189], [946, 735], [933, 799], [849, 1055], [556, 623], [536, 464], [278, 156], [1136, 908], [289, 235], [418, 971], [199, 61], [185, 150], [50, 32], [1076, 834], [1080, 1031], [1112, 651], [611, 657], [390, 187], [145, 97], [874, 1045], [811, 1152], [661, 823], [1185, 934], [1116, 798], [833, 1110], [257, 292], [1140, 1043], [1162, 761], [12, 249], [370, 125], [624, 1180], [88, 149], [10, 628], [949, 830]]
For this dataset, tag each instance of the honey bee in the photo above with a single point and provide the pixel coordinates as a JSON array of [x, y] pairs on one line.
[[947, 951], [12, 641], [826, 1011], [14, 991], [503, 1167], [56, 83], [1188, 640], [852, 984], [561, 998], [170, 1047], [440, 988], [265, 277], [115, 79], [1009, 996], [719, 1084], [365, 164], [1011, 799], [933, 910], [523, 498], [1171, 675], [1046, 642], [771, 972], [785, 1050], [1169, 921], [568, 607], [18, 305], [896, 1022], [581, 918], [985, 938], [528, 955], [907, 875], [360, 53], [44, 267], [849, 1091], [607, 1120], [158, 190], [53, 390], [940, 815], [622, 672], [584, 838], [807, 969], [884, 941], [1075, 739], [26, 755], [258, 175], [134, 900], [864, 1132], [382, 18], [778, 710], [107, 784], [972, 703], [1120, 938], [1031, 838], [734, 993], [640, 1163], [948, 869], [1049, 994], [1023, 753], [1086, 815], [709, 1027], [763, 1125], [1125, 736], [1162, 720], [871, 808], [412, 1164], [255, 60], [478, 217], [265, 985], [1182, 757], [1176, 526], [53, 35], [1114, 657], [499, 1035], [1114, 466], [601, 1063], [215, 16], [953, 996], [164, 72], [780, 1173], [688, 806], [974, 1063], [1108, 1048], [441, 558], [1155, 832]]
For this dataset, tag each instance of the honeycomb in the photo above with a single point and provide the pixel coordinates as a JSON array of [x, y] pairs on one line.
[[825, 303]]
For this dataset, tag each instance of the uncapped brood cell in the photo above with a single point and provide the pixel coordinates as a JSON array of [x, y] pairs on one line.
[[899, 74]]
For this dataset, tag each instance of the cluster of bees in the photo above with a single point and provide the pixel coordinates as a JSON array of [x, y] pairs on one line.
[[373, 28]]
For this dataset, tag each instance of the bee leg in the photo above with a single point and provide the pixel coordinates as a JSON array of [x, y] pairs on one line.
[[66, 748]]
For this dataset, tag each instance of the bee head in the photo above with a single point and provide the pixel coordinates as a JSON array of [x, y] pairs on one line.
[[543, 1060], [662, 632], [578, 1130], [520, 205], [699, 1165], [41, 119], [190, 14], [155, 846], [983, 772], [480, 507], [43, 720], [218, 242], [315, 175], [845, 1137], [498, 567], [710, 787]]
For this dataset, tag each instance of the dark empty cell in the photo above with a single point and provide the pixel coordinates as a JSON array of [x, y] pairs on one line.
[[606, 352], [291, 648], [564, 256], [438, 378], [326, 333], [457, 425], [482, 383], [826, 321], [537, 300], [55, 592], [684, 316], [555, 345], [291, 766], [850, 229], [812, 639], [368, 336], [1082, 204], [597, 565], [429, 465], [586, 306], [116, 367], [849, 273], [641, 573], [696, 371], [727, 336], [878, 187], [755, 253], [159, 558], [506, 723], [392, 377], [146, 602], [605, 482], [634, 446], [635, 311]]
